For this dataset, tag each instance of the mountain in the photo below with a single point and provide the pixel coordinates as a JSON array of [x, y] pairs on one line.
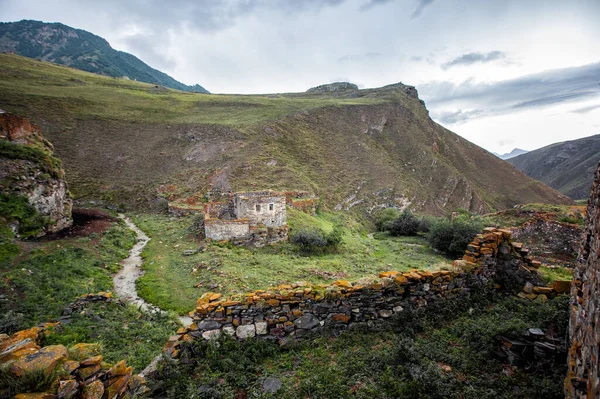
[[515, 152], [133, 144], [568, 166], [79, 49]]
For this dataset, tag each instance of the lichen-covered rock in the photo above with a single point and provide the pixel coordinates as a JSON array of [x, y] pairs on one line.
[[45, 360], [28, 169], [583, 378]]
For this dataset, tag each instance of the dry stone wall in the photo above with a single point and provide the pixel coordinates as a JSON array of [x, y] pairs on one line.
[[290, 312], [583, 378]]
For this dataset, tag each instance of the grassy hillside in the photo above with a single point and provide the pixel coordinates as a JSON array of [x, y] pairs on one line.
[[129, 143], [82, 50], [568, 166]]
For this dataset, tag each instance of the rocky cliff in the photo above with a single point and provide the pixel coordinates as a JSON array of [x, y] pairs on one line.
[[583, 379], [29, 170]]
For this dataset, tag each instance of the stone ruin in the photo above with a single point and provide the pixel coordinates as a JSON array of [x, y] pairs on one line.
[[583, 378], [292, 311], [254, 218]]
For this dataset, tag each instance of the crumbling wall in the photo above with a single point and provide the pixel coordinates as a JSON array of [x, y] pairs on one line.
[[583, 377], [217, 229], [289, 312]]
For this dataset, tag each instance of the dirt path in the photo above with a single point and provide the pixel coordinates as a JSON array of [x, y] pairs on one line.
[[131, 270]]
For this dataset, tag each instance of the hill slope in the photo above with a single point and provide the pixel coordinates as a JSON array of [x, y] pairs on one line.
[[130, 143], [568, 166], [82, 50]]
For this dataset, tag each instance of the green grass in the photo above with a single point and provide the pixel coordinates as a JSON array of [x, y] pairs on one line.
[[123, 332], [517, 216], [42, 157], [85, 95], [237, 270], [551, 274], [448, 352], [41, 283]]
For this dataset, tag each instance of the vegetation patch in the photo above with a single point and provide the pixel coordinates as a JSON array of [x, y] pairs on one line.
[[54, 273], [48, 163], [236, 270], [123, 331], [449, 352]]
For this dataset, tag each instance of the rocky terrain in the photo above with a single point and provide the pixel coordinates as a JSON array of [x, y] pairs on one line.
[[82, 50], [358, 150], [29, 170], [568, 166]]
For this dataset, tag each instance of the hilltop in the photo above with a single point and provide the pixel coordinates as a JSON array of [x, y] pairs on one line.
[[80, 49], [130, 143], [515, 152], [568, 166]]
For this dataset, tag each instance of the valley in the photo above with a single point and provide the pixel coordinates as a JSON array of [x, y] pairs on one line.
[[405, 279]]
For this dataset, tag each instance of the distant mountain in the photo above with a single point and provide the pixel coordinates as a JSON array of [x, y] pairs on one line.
[[568, 166], [80, 49], [512, 154]]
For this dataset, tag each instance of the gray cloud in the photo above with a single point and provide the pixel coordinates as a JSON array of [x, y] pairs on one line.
[[421, 6], [372, 56], [531, 91], [373, 3], [458, 116], [585, 110], [472, 58]]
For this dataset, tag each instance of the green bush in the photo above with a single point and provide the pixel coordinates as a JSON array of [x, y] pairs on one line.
[[384, 217], [313, 241], [452, 236], [406, 224]]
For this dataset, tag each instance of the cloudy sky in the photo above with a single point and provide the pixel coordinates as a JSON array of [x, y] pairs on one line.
[[502, 73]]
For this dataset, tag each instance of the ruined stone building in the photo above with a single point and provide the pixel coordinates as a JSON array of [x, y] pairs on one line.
[[256, 218]]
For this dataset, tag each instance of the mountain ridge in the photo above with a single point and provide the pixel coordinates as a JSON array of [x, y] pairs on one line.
[[566, 166], [80, 49], [515, 152], [356, 150]]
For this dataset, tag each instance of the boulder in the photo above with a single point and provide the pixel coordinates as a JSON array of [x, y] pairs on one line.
[[307, 321], [46, 360]]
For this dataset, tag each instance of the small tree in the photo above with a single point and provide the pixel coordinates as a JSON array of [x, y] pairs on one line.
[[384, 217], [406, 224], [314, 241], [452, 237]]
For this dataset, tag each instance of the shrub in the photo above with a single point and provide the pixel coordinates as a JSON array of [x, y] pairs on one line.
[[315, 240], [406, 224], [453, 236], [384, 217]]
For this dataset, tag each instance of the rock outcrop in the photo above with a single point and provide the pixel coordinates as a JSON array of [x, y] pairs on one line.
[[337, 86], [29, 169], [583, 378], [77, 372]]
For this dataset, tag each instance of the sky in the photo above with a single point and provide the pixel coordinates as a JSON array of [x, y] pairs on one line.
[[501, 73]]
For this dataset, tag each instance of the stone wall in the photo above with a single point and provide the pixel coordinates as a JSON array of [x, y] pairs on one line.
[[261, 208], [217, 229], [554, 242], [583, 378], [28, 169], [290, 312]]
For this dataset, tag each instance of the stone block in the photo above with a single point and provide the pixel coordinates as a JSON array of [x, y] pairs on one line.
[[246, 331], [262, 328]]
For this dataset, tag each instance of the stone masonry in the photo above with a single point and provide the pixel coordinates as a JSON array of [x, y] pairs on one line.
[[293, 311], [583, 378], [255, 218]]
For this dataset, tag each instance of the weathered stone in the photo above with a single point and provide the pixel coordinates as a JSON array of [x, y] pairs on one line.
[[542, 290], [67, 389], [528, 288], [272, 385], [229, 330], [262, 328], [385, 313], [307, 321], [93, 390], [18, 350], [37, 395], [211, 334], [92, 361], [45, 360], [209, 325], [70, 366], [562, 286], [398, 309], [117, 385], [84, 351], [245, 331], [86, 372]]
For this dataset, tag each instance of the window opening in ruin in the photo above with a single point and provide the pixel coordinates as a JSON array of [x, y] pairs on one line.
[[270, 207], [257, 208]]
